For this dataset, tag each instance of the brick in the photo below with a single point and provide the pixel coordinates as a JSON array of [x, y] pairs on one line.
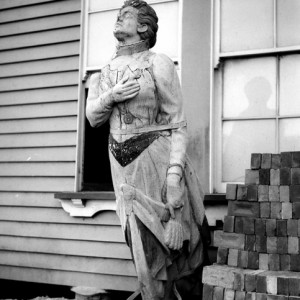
[[287, 211], [296, 210], [274, 193], [229, 240], [274, 262], [250, 296], [294, 286], [295, 262], [271, 284], [277, 297], [272, 244], [285, 262], [261, 284], [296, 159], [284, 193], [293, 245], [260, 226], [282, 286], [243, 259], [233, 257], [208, 292], [261, 243], [263, 261], [295, 193], [249, 242], [295, 174], [275, 177], [228, 224], [285, 176], [263, 193], [253, 260], [248, 225], [231, 191], [228, 294], [217, 275], [276, 210], [243, 209], [250, 282], [251, 177], [218, 293], [239, 281], [271, 227], [265, 209], [241, 192], [252, 193], [281, 227], [286, 159], [264, 176], [260, 296], [239, 224], [282, 245], [266, 160], [222, 256], [240, 295], [292, 227], [255, 161], [275, 161]]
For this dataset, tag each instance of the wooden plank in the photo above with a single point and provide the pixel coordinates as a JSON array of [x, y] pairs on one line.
[[5, 4], [45, 9], [56, 109], [38, 184], [65, 247], [40, 38], [39, 81], [41, 52], [109, 282], [78, 232], [53, 94], [40, 66], [68, 263], [37, 169], [38, 125], [38, 154], [41, 24], [28, 199], [38, 139], [55, 215]]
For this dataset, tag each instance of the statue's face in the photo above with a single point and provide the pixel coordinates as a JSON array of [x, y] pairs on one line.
[[127, 24]]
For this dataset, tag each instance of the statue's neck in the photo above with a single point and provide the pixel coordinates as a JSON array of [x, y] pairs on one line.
[[128, 49]]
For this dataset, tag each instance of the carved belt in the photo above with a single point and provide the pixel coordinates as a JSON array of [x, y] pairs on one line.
[[126, 152]]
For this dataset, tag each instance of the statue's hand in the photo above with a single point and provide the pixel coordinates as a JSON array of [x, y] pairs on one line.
[[125, 89], [175, 191]]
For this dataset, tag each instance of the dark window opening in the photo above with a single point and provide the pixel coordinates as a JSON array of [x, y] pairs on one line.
[[96, 165]]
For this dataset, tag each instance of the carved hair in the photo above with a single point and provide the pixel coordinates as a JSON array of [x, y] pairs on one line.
[[147, 16]]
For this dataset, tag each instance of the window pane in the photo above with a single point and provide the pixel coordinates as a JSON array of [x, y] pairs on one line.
[[101, 42], [246, 24], [289, 134], [289, 85], [240, 139], [288, 22], [250, 88]]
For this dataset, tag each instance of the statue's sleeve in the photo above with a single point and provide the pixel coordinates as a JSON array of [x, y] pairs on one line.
[[171, 105], [99, 103]]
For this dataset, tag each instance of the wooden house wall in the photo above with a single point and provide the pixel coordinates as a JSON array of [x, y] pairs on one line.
[[39, 242]]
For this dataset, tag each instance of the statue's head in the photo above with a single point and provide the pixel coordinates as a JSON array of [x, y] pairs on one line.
[[146, 17]]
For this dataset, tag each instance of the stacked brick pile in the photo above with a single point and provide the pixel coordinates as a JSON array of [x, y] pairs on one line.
[[258, 250]]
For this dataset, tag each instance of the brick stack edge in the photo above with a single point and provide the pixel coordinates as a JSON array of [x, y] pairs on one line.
[[259, 248]]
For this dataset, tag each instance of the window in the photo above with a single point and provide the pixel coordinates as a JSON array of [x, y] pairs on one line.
[[256, 91], [98, 48]]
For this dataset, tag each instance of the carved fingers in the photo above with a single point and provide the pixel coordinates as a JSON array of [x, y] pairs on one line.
[[125, 89]]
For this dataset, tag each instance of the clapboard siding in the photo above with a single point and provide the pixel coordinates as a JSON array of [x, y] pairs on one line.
[[40, 66], [41, 52], [52, 22], [39, 80], [65, 247], [68, 108], [110, 282], [38, 154], [53, 94]]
